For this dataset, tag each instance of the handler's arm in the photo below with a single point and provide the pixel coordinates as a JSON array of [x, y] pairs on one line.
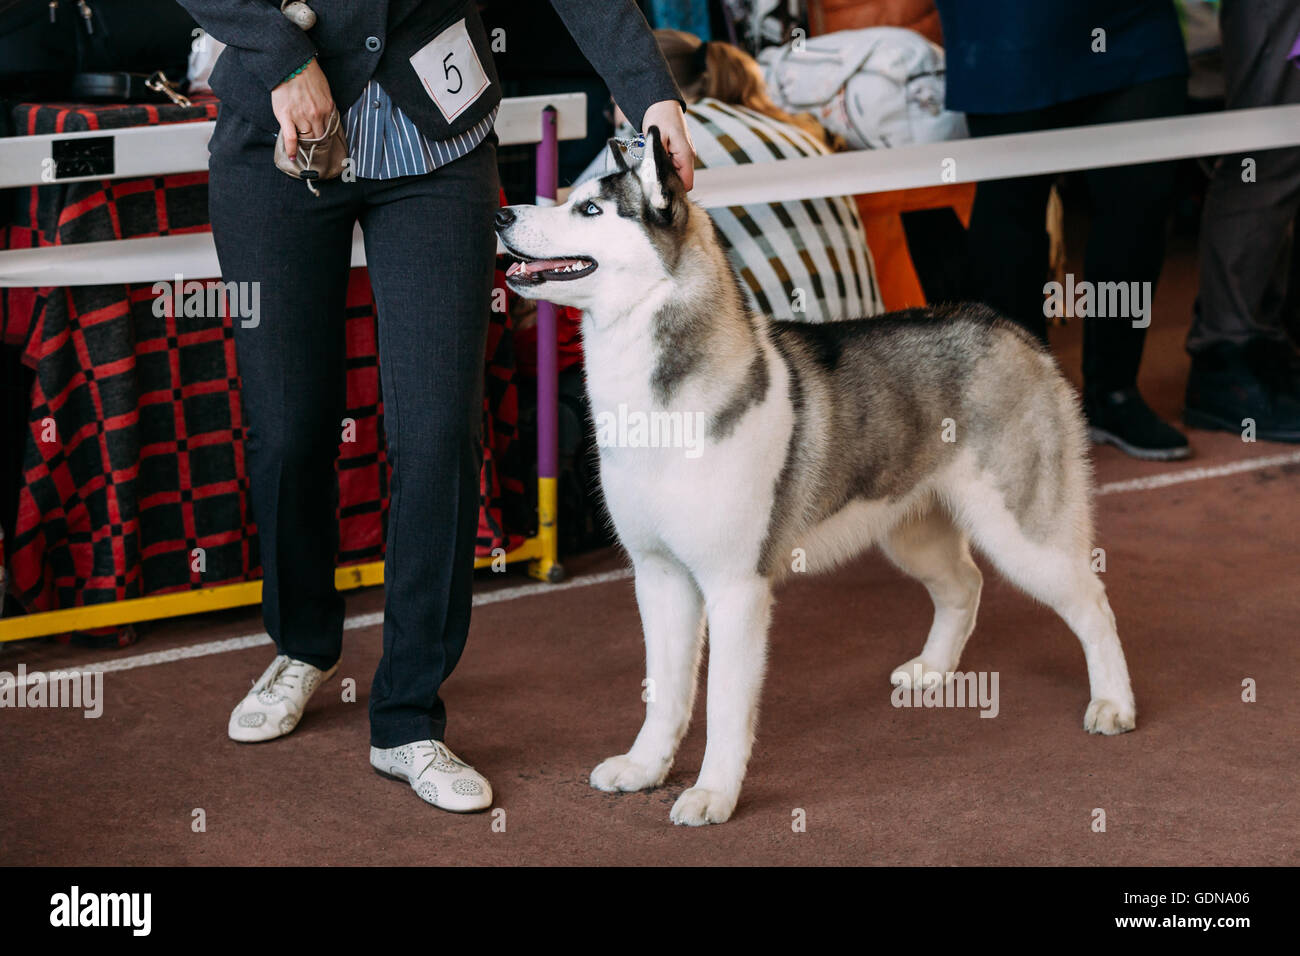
[[273, 46], [614, 36]]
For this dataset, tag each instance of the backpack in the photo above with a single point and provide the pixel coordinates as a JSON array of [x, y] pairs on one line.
[[877, 87]]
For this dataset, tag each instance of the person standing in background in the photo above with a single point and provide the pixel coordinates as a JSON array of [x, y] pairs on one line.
[[1018, 66], [417, 83], [1244, 366]]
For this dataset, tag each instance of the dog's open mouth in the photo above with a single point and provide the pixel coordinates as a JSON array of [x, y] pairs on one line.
[[549, 270]]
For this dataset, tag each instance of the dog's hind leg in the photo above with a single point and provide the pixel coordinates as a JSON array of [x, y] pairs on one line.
[[1050, 558], [934, 551], [739, 613], [672, 614]]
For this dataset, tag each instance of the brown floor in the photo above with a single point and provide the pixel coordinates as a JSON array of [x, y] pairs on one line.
[[1202, 576]]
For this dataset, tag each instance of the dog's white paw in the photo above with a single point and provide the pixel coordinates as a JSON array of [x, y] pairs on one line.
[[698, 807], [621, 773], [918, 672], [1107, 717]]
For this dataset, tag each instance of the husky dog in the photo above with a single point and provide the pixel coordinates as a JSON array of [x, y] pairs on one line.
[[920, 431]]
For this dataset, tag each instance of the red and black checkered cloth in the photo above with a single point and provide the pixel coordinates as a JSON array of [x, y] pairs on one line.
[[135, 454]]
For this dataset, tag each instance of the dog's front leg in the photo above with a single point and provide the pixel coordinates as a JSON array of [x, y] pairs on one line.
[[672, 617], [739, 613]]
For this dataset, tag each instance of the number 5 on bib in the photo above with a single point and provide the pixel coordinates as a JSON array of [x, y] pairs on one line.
[[450, 70]]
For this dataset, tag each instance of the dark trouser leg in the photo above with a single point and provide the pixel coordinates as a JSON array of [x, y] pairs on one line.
[[936, 241], [1007, 239], [430, 246], [271, 231], [1129, 213], [1245, 225]]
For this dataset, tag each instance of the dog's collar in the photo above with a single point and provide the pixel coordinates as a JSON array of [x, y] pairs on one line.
[[634, 146]]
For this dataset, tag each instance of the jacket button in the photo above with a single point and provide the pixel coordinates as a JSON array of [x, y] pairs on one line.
[[372, 44]]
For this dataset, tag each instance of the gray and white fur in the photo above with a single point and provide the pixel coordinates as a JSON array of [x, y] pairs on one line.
[[922, 431]]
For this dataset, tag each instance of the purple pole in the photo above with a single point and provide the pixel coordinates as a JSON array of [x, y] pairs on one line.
[[548, 176]]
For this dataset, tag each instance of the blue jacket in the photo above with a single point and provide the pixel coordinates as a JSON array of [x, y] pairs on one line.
[[1007, 56]]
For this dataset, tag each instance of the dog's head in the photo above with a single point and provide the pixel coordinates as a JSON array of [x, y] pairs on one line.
[[614, 236]]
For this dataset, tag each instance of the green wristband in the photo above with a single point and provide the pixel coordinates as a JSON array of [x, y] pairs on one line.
[[297, 71]]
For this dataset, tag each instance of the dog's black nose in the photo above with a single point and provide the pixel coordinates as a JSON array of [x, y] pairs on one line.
[[505, 217]]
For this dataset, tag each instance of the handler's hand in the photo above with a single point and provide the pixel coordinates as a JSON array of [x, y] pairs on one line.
[[668, 116], [302, 106]]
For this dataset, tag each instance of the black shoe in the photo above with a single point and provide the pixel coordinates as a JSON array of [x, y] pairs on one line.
[[1259, 381], [1123, 419]]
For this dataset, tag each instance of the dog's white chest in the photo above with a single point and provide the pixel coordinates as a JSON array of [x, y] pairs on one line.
[[672, 486]]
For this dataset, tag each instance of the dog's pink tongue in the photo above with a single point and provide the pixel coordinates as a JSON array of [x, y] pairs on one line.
[[542, 265]]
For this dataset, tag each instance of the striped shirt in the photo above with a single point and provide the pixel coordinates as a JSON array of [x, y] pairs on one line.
[[383, 143], [803, 260]]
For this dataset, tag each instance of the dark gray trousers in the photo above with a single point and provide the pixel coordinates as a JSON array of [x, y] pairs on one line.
[[1128, 207], [1246, 226], [430, 248]]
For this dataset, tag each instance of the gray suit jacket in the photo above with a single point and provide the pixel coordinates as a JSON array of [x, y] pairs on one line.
[[355, 40]]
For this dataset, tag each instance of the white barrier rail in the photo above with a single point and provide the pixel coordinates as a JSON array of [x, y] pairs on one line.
[[930, 164], [1001, 157], [183, 147], [123, 261]]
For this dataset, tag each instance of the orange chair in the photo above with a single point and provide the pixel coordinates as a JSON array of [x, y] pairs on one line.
[[881, 218]]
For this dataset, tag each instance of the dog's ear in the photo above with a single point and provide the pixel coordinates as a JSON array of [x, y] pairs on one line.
[[620, 159], [659, 180]]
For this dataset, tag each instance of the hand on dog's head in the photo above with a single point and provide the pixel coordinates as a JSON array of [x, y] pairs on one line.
[[662, 187]]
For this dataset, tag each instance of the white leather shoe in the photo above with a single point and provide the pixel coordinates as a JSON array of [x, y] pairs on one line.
[[436, 774], [275, 704]]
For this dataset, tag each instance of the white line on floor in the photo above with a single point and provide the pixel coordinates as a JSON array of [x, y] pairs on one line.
[[1167, 478], [528, 590], [358, 621]]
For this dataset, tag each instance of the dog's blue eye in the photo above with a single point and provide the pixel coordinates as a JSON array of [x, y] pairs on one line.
[[591, 209]]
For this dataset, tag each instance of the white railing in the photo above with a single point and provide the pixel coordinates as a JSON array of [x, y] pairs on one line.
[[181, 148], [1001, 157]]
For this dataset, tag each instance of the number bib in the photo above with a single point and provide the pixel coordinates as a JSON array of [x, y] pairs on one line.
[[450, 70]]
